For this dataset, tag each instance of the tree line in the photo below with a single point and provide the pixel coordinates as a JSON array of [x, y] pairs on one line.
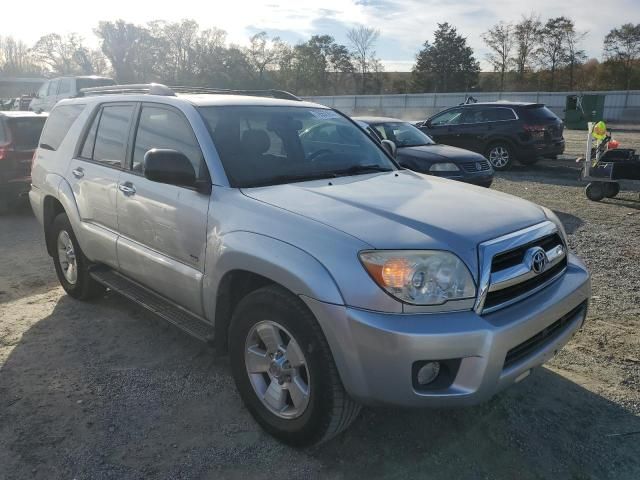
[[527, 55]]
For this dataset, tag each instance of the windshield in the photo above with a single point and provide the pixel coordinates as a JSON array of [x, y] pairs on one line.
[[403, 134], [270, 145]]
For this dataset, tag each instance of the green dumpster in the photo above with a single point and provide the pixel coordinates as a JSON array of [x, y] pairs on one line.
[[582, 109]]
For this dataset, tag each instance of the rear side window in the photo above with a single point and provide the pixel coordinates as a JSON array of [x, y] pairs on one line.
[[540, 113], [499, 114], [25, 132], [112, 135], [165, 128], [58, 124]]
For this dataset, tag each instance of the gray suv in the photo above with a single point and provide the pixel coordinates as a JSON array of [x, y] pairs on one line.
[[332, 277]]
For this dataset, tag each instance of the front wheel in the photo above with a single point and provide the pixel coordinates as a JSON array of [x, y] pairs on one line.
[[284, 370], [70, 263], [611, 189], [500, 156]]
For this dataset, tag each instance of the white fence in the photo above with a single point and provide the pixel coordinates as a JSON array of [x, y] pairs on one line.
[[619, 106]]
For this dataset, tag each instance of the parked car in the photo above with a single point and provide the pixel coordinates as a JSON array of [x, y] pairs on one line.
[[330, 276], [501, 131], [60, 88], [418, 152], [19, 134]]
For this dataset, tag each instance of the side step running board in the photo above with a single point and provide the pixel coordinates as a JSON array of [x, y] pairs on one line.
[[153, 302]]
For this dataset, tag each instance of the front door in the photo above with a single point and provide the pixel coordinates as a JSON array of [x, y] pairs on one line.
[[94, 175], [163, 227], [443, 128]]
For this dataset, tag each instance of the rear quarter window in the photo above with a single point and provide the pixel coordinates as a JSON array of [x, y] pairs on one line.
[[58, 125], [25, 132], [540, 113]]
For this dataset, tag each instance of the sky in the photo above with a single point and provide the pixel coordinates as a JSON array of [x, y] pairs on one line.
[[404, 24]]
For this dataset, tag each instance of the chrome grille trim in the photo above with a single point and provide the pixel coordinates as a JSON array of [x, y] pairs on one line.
[[487, 251]]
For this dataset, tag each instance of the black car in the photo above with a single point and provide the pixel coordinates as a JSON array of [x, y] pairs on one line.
[[418, 152], [19, 135], [501, 131]]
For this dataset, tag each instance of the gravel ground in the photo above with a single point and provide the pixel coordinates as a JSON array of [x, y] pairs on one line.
[[104, 390]]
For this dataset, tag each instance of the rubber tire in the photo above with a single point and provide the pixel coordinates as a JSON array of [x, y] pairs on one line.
[[330, 409], [528, 160], [85, 287], [595, 191], [611, 189], [508, 148]]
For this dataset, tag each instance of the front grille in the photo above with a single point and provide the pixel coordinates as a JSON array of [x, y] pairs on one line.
[[476, 166], [536, 342], [514, 257]]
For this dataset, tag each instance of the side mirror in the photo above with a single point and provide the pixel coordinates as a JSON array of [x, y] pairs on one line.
[[169, 166], [390, 147]]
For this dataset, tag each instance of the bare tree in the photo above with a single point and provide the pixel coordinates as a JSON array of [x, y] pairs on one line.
[[574, 54], [15, 57], [121, 43], [527, 39], [500, 40], [363, 41], [58, 53], [622, 47], [262, 53]]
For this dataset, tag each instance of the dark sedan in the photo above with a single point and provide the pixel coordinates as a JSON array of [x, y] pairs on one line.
[[418, 152]]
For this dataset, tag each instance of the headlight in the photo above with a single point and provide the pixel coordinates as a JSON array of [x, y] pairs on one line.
[[420, 277], [444, 167], [554, 218]]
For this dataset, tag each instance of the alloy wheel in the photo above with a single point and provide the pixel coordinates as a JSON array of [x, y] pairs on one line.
[[67, 257], [499, 156], [277, 369]]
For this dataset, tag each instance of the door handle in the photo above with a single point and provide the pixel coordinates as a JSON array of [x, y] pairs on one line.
[[127, 188], [78, 172]]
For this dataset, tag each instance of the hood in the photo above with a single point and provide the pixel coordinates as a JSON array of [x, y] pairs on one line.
[[406, 210], [440, 153]]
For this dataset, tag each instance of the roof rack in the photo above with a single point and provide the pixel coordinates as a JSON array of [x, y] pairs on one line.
[[160, 89], [144, 88]]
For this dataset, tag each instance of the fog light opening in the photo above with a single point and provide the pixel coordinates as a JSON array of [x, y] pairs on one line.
[[428, 373]]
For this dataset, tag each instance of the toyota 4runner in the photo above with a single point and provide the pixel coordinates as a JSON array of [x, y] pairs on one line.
[[332, 277]]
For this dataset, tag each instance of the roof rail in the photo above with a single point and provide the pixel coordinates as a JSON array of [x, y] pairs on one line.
[[160, 89], [281, 94], [145, 88]]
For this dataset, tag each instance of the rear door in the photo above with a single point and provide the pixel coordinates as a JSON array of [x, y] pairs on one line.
[[65, 89], [163, 227], [94, 175]]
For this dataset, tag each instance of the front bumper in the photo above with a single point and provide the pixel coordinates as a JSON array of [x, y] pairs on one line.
[[482, 179], [375, 352]]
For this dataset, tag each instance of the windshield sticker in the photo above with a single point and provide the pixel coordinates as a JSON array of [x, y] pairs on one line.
[[324, 114]]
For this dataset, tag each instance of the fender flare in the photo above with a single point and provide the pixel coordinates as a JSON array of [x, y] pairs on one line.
[[281, 262]]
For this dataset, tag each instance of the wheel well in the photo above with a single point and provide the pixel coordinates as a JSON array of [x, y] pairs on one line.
[[52, 208], [234, 286], [497, 141]]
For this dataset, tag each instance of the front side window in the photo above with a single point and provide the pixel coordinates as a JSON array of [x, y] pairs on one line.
[[64, 86], [450, 117], [403, 134], [272, 145], [53, 88], [112, 133], [58, 124], [42, 92], [165, 128]]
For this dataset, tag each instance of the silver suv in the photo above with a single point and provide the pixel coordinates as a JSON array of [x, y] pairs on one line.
[[332, 277]]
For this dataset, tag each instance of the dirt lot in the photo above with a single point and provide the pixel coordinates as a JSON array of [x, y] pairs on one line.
[[105, 390]]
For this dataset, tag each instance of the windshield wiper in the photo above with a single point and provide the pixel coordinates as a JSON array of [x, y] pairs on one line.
[[358, 169]]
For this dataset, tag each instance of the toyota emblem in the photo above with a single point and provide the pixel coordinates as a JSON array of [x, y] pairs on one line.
[[537, 260]]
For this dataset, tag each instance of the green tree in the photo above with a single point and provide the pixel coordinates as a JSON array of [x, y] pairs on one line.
[[446, 65], [527, 38], [554, 48], [622, 51]]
